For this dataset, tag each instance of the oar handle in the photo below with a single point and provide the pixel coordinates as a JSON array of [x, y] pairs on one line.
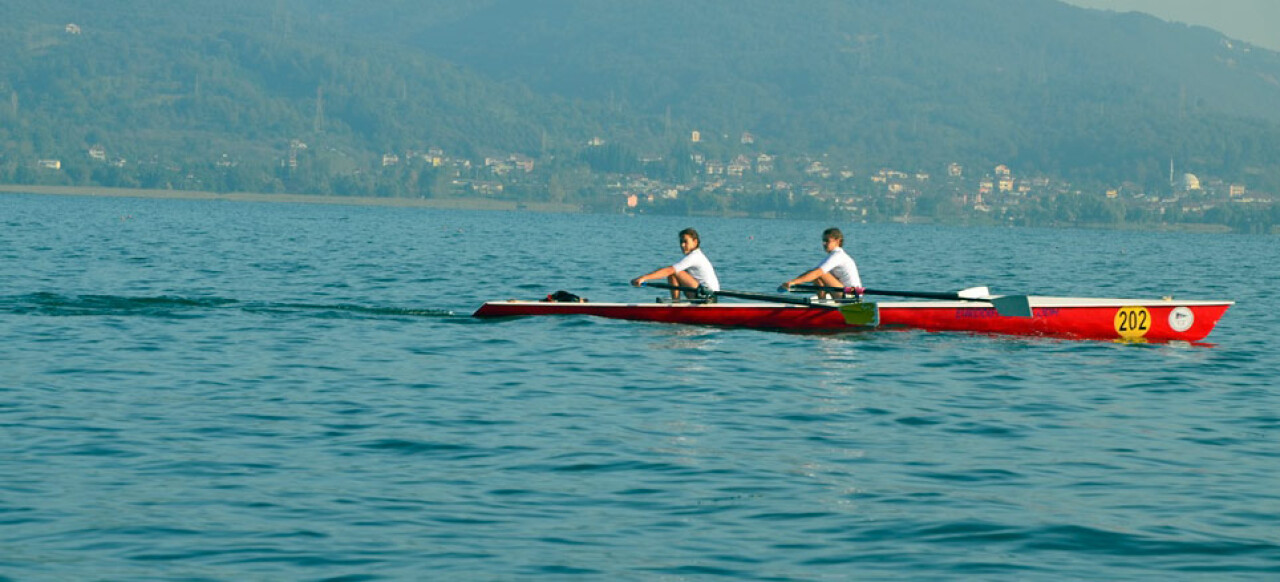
[[699, 291]]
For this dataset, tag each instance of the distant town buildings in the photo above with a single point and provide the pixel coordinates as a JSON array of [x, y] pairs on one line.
[[742, 181], [1190, 182], [764, 163], [295, 146], [503, 166]]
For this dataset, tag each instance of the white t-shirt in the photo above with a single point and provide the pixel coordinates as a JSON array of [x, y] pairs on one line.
[[697, 265], [840, 264]]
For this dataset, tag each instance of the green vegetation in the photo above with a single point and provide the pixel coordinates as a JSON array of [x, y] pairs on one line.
[[410, 98]]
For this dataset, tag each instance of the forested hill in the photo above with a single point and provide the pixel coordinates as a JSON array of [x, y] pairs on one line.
[[143, 77], [1042, 84], [1050, 88]]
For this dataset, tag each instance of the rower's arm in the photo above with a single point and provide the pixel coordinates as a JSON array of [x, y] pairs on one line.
[[805, 278], [659, 274]]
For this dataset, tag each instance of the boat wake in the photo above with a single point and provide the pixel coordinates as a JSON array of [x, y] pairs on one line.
[[166, 306]]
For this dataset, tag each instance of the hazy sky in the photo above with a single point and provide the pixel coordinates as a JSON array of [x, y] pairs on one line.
[[1256, 21]]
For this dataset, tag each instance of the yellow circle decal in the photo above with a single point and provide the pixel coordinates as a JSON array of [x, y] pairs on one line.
[[1133, 322]]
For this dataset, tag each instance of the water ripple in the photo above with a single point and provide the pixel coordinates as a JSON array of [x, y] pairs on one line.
[[52, 304], [192, 394]]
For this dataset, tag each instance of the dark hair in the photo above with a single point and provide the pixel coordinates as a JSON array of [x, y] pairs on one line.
[[833, 233], [693, 234]]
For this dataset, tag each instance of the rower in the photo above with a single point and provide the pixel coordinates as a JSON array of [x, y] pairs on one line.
[[692, 271], [837, 270]]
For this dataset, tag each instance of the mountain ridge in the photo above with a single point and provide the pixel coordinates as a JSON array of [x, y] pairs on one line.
[[1051, 88]]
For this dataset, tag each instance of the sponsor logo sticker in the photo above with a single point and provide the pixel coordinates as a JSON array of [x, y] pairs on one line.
[[1181, 318]]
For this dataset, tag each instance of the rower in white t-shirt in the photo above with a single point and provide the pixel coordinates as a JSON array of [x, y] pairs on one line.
[[693, 270], [837, 270]]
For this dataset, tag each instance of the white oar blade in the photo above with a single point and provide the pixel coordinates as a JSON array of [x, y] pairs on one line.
[[974, 293]]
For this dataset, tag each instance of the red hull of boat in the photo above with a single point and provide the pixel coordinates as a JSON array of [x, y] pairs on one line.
[[1098, 319]]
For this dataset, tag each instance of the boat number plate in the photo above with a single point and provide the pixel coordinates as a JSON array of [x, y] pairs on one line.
[[1133, 322]]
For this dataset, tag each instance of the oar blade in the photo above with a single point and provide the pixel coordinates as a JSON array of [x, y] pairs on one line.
[[1012, 305], [860, 314]]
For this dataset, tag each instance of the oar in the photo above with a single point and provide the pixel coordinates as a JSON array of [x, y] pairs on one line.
[[704, 292], [858, 314], [1006, 305], [970, 294]]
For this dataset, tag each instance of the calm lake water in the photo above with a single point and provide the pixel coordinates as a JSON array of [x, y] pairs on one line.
[[206, 390]]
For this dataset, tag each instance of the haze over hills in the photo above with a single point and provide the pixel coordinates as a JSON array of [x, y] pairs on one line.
[[1036, 83], [1088, 96], [1254, 21]]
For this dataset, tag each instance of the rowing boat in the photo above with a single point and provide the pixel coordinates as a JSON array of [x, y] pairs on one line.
[[1140, 320]]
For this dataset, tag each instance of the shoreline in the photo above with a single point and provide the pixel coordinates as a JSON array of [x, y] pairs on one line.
[[478, 204], [441, 203]]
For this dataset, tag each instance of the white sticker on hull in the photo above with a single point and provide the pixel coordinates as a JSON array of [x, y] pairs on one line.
[[1181, 319]]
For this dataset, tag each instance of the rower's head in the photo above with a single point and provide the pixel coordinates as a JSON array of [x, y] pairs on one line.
[[689, 240], [832, 235]]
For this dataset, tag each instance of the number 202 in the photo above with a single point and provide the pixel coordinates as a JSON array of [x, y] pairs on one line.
[[1133, 320]]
